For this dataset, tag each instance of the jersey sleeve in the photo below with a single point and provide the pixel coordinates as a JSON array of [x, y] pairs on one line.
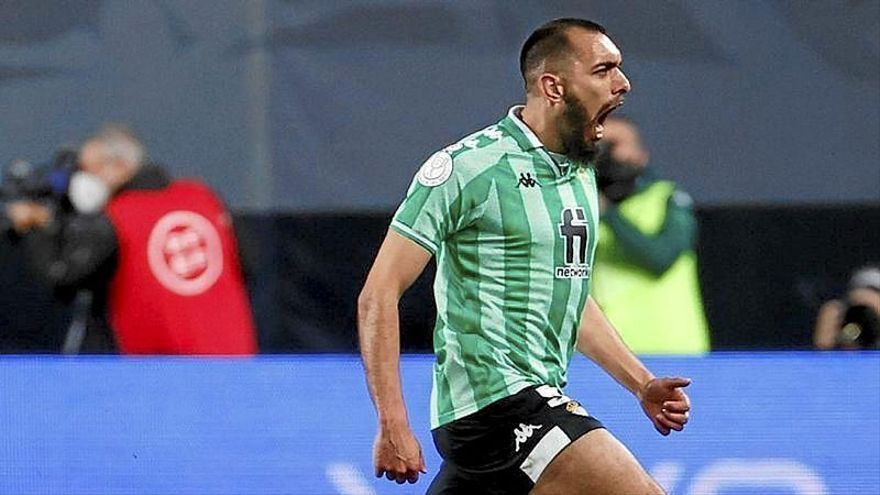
[[434, 207]]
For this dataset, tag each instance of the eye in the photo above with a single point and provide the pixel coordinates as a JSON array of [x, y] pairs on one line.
[[603, 70]]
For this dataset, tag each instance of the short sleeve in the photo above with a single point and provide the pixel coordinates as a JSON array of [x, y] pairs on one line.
[[433, 207]]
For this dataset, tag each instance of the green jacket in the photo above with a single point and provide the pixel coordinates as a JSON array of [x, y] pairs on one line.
[[645, 275]]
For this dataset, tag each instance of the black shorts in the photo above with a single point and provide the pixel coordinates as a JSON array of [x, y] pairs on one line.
[[504, 447]]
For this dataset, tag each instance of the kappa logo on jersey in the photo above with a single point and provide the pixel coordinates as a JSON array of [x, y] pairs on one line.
[[526, 180], [184, 253], [436, 170], [523, 433], [574, 230]]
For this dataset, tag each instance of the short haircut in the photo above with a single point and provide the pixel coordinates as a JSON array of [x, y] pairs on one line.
[[120, 143], [549, 41]]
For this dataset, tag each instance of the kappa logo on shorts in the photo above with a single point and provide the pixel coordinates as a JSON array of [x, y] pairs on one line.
[[523, 433]]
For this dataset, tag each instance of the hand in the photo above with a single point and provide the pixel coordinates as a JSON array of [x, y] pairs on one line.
[[25, 215], [665, 403], [397, 454]]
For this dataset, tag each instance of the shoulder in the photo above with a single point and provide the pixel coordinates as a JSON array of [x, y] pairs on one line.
[[676, 194], [91, 229], [194, 186], [670, 190], [190, 184], [469, 157]]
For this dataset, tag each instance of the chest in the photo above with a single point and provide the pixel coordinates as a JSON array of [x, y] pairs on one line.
[[538, 209]]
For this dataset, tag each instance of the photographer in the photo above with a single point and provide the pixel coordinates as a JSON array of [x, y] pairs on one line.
[[646, 250], [853, 321], [157, 256]]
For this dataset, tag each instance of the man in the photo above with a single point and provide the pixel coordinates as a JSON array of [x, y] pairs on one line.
[[853, 321], [510, 213], [646, 251], [158, 256]]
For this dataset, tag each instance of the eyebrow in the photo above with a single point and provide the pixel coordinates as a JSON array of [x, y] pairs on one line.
[[608, 64]]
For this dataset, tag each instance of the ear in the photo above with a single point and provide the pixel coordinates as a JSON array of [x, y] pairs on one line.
[[551, 87]]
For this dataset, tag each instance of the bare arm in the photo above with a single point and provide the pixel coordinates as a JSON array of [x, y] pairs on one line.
[[662, 399], [828, 324], [599, 341], [398, 264]]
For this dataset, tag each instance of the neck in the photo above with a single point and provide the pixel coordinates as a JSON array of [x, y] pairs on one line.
[[123, 179], [537, 116]]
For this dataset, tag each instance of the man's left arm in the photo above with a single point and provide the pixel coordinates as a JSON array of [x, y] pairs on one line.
[[662, 399]]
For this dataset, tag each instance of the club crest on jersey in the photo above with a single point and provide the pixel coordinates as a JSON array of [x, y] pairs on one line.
[[575, 233], [436, 170]]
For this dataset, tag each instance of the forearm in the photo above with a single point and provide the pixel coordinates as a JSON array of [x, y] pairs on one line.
[[70, 251], [828, 323], [379, 333], [43, 251], [599, 341], [655, 253]]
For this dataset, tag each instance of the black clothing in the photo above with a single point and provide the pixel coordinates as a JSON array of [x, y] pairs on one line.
[[78, 253], [504, 447]]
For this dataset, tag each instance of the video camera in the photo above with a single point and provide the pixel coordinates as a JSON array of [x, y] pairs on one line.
[[23, 180], [45, 183]]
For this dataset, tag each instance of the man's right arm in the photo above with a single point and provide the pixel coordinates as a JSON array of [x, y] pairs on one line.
[[656, 253], [400, 261], [68, 252]]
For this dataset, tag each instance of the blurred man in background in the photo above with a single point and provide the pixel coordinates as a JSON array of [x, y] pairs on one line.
[[157, 257], [646, 270], [853, 321]]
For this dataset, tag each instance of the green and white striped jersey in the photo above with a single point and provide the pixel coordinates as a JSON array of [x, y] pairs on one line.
[[513, 230]]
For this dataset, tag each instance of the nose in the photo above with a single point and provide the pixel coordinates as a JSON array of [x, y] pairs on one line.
[[621, 84]]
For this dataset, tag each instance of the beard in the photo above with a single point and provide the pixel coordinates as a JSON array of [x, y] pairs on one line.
[[573, 130]]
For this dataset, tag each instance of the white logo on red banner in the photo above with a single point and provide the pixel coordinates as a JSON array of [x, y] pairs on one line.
[[185, 253]]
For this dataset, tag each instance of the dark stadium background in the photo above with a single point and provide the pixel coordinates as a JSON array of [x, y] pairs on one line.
[[310, 117]]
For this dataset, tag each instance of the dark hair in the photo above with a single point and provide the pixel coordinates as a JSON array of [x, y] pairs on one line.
[[550, 40]]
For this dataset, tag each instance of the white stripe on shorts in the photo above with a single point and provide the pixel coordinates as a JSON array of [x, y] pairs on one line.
[[539, 458]]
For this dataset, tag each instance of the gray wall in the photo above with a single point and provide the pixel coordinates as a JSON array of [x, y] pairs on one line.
[[168, 68], [319, 105]]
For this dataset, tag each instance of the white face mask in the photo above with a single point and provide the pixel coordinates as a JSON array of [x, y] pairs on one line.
[[87, 192]]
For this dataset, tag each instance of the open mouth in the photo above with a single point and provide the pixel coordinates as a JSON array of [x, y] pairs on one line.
[[599, 121]]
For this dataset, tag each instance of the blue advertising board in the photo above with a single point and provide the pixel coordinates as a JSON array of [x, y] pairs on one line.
[[769, 424]]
